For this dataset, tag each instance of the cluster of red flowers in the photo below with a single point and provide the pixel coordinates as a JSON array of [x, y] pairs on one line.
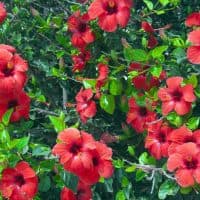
[[80, 154], [193, 52], [19, 183], [12, 80]]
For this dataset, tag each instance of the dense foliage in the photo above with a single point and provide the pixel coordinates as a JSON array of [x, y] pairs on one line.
[[99, 99]]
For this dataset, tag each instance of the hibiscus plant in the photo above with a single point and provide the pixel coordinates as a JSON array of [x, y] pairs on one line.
[[99, 99]]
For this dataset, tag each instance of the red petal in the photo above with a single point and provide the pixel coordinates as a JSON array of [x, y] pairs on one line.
[[184, 178], [182, 107], [188, 93], [123, 16], [174, 82], [193, 54], [194, 37], [95, 9], [193, 19], [167, 107], [174, 161], [108, 22]]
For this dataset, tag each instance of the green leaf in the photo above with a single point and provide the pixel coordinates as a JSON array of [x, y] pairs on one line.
[[107, 103], [45, 183], [193, 123], [58, 122], [20, 143], [186, 190], [40, 150], [156, 70], [7, 116], [149, 4], [145, 159], [140, 174], [115, 87], [192, 80], [164, 2], [174, 119], [135, 54], [169, 187], [90, 83], [131, 150], [120, 195], [130, 169], [158, 51]]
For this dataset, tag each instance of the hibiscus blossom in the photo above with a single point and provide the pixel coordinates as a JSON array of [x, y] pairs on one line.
[[102, 164], [183, 135], [80, 60], [83, 193], [193, 52], [81, 32], [102, 78], [157, 140], [141, 82], [86, 107], [139, 116], [73, 150], [20, 102], [19, 183], [12, 70], [3, 12], [176, 97], [152, 41], [193, 19], [186, 164], [110, 13]]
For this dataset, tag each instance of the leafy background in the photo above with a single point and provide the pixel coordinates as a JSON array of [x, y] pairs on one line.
[[38, 30]]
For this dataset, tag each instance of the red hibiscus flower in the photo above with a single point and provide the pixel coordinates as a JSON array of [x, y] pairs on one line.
[[83, 193], [152, 41], [141, 82], [19, 183], [193, 52], [110, 13], [183, 135], [157, 140], [81, 32], [12, 70], [103, 76], [102, 165], [20, 102], [80, 60], [193, 19], [176, 97], [138, 117], [73, 150], [3, 12], [186, 164], [86, 107]]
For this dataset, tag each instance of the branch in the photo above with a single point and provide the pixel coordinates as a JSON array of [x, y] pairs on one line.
[[41, 111], [151, 169]]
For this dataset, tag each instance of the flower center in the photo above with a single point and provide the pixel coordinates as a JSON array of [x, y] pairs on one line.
[[82, 27], [75, 148], [189, 139], [12, 104], [161, 137], [191, 163], [95, 161], [80, 194], [143, 111], [111, 7], [19, 180], [177, 95]]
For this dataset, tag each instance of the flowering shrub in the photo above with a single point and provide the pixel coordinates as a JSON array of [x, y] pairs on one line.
[[99, 100]]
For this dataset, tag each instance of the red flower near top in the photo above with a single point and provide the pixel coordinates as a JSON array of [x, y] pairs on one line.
[[82, 35], [152, 41], [102, 165], [193, 19], [83, 193], [73, 150], [193, 52], [86, 107], [3, 12], [186, 164], [110, 13], [138, 117], [80, 60], [157, 140], [103, 75], [141, 81], [183, 135], [20, 102], [176, 97], [19, 183], [12, 70]]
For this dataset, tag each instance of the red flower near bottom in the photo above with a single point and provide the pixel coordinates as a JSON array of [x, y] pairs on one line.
[[19, 183], [186, 162], [83, 193]]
